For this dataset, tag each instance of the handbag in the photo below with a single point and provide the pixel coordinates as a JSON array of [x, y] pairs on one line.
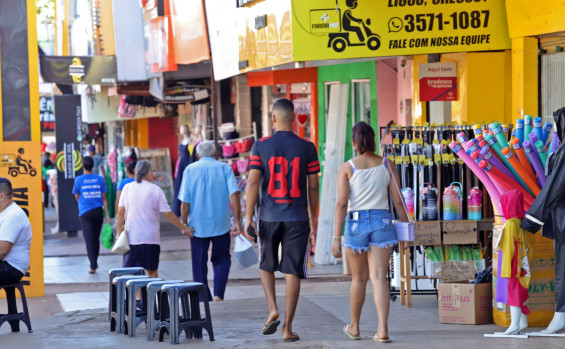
[[228, 150], [404, 230], [122, 244]]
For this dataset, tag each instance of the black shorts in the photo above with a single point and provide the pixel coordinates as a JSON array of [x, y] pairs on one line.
[[145, 256], [293, 236]]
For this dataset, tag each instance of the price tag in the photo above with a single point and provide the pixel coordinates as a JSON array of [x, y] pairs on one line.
[[460, 232], [427, 233], [457, 271]]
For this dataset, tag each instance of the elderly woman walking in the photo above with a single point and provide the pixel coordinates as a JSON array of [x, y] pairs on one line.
[[139, 207]]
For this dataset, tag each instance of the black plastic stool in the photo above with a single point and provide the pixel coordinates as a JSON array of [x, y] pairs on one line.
[[13, 317], [120, 272], [190, 322]]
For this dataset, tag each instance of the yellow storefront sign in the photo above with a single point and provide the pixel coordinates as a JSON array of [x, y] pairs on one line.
[[265, 36], [20, 162], [329, 29], [535, 17]]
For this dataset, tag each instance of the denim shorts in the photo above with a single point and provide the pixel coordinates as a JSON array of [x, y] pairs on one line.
[[373, 228]]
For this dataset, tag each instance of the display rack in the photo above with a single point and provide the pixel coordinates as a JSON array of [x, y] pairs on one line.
[[406, 277]]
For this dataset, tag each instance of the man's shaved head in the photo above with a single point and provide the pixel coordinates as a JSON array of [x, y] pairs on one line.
[[283, 112], [6, 187]]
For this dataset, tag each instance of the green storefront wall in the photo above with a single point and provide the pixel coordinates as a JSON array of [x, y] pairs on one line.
[[344, 74]]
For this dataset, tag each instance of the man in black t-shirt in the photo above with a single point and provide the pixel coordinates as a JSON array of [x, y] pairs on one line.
[[286, 169]]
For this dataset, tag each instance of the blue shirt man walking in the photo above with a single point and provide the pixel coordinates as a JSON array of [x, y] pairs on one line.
[[206, 189]]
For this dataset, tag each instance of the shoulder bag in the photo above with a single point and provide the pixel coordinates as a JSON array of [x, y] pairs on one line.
[[404, 230], [122, 244]]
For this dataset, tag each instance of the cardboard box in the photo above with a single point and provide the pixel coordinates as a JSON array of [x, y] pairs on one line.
[[467, 304], [460, 232]]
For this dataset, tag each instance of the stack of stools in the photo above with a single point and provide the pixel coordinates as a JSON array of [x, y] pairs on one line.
[[188, 294], [118, 304], [133, 316], [154, 308], [13, 317]]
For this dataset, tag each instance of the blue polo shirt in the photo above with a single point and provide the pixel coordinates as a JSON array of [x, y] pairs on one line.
[[207, 186], [90, 188]]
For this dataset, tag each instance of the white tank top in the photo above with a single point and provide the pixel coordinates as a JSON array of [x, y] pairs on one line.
[[369, 188]]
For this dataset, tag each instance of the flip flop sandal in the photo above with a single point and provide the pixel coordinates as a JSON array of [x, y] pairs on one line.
[[381, 340], [272, 327], [348, 334], [293, 339]]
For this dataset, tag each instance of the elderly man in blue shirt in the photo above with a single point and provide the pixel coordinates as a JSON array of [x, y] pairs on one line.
[[205, 193]]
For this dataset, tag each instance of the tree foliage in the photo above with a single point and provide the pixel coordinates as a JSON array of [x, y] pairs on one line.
[[45, 11]]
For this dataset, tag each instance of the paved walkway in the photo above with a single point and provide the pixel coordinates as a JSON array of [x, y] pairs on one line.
[[73, 312]]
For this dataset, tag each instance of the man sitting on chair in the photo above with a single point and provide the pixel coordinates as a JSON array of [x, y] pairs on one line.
[[15, 237]]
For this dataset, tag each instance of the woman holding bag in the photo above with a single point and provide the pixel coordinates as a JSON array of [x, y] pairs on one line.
[[140, 204], [364, 185]]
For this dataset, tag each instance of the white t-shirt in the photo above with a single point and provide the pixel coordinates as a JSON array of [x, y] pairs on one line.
[[143, 203], [16, 228]]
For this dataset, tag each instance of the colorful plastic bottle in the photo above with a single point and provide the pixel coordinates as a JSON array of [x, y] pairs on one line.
[[477, 129], [520, 129], [452, 203], [429, 203], [475, 204], [408, 195]]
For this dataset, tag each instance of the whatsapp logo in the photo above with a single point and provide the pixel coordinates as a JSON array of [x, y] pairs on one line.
[[395, 25]]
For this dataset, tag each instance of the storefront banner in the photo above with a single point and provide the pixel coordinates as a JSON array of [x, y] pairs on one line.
[[438, 82], [20, 162], [46, 116], [69, 70], [222, 31], [68, 135], [105, 109], [265, 35], [190, 38], [326, 29]]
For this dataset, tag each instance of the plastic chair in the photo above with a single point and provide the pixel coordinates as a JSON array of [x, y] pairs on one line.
[[13, 317], [118, 305], [191, 322], [153, 311], [119, 272]]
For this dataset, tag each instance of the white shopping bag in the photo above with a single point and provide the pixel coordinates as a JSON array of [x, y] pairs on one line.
[[244, 252]]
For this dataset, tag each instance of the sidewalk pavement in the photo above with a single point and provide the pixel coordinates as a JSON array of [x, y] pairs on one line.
[[323, 310], [73, 311]]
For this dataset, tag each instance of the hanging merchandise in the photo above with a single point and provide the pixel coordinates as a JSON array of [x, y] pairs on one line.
[[475, 204], [429, 203], [453, 202], [408, 195]]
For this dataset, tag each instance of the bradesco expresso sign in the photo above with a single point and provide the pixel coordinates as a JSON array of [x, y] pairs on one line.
[[324, 29]]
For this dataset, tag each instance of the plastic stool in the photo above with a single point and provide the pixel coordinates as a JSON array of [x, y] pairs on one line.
[[118, 306], [133, 316], [13, 317], [153, 312], [119, 272], [191, 323]]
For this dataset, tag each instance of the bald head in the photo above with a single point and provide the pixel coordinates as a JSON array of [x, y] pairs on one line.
[[283, 112]]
